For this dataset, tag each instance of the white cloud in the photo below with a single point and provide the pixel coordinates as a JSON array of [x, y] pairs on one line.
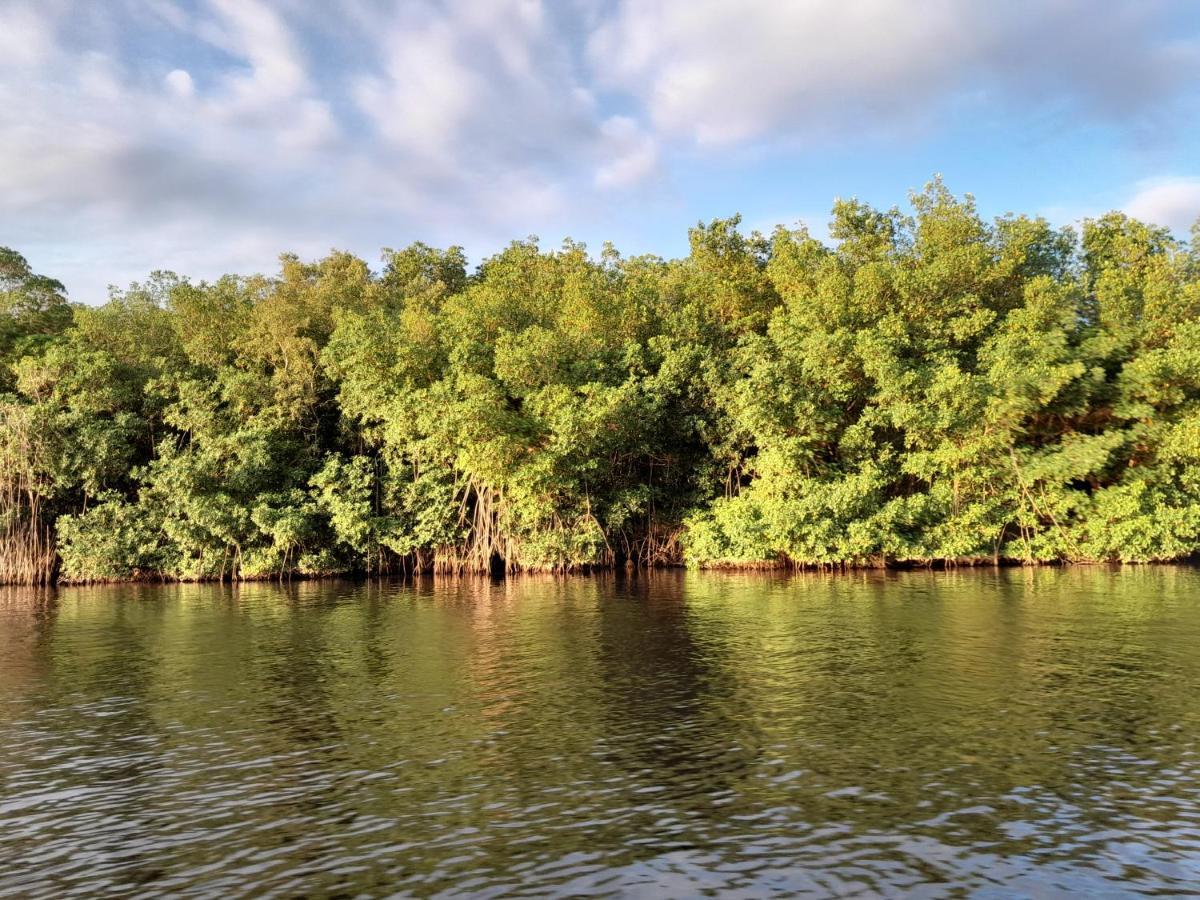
[[720, 73], [26, 37], [632, 156], [714, 72], [464, 121], [210, 134], [276, 95], [252, 30], [480, 90], [1173, 202], [427, 93], [179, 82]]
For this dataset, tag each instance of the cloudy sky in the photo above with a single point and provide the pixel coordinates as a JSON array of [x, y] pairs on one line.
[[207, 136]]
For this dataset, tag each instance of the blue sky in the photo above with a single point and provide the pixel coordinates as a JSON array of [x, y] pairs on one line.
[[209, 136]]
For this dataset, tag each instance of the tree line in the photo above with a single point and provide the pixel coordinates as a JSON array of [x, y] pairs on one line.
[[926, 387]]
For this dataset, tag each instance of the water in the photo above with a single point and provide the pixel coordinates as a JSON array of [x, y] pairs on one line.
[[1031, 733]]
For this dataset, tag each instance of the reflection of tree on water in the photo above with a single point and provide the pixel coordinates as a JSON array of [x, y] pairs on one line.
[[27, 617], [375, 643], [296, 665], [513, 739], [674, 726], [299, 658], [97, 656]]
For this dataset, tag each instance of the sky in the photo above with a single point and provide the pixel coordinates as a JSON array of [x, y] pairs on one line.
[[210, 136]]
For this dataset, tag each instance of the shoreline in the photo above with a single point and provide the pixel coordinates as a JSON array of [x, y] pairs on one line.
[[723, 567]]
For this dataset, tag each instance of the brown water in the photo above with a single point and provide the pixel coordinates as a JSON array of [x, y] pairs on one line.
[[1031, 733]]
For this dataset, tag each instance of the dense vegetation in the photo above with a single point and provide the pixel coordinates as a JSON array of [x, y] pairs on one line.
[[931, 387]]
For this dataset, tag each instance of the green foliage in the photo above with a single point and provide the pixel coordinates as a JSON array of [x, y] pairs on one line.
[[928, 387], [33, 311], [113, 540], [937, 388]]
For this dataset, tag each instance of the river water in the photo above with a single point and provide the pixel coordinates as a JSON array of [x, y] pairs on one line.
[[929, 734]]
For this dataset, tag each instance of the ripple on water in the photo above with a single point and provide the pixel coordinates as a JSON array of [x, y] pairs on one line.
[[926, 734]]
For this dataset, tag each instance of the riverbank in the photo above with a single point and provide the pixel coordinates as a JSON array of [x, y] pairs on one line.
[[728, 566]]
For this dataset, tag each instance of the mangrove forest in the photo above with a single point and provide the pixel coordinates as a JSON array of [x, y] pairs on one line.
[[924, 387]]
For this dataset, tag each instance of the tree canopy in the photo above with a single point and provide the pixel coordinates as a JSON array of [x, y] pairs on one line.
[[926, 387]]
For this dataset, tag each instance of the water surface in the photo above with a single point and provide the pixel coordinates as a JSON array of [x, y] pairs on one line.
[[935, 734]]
